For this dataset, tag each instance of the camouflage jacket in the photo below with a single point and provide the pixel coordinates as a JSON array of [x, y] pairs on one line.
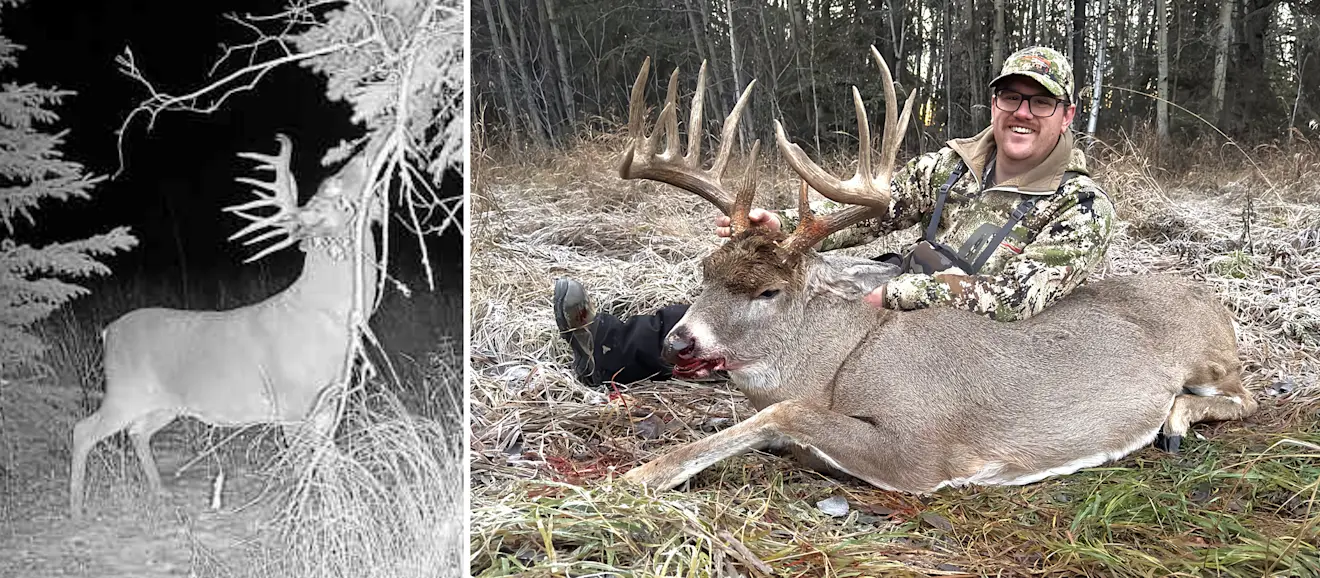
[[1048, 254]]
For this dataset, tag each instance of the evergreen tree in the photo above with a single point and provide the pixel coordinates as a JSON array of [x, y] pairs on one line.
[[34, 281]]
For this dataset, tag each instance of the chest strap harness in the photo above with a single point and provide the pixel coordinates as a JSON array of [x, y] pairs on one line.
[[947, 256]]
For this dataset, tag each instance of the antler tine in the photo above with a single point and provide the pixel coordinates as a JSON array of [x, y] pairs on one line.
[[740, 220], [868, 189], [271, 234], [635, 106], [693, 156], [283, 195], [812, 229], [893, 135], [271, 249], [731, 128], [641, 160], [285, 188], [669, 116]]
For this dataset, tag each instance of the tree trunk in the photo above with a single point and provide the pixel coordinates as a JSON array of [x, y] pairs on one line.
[[1162, 47], [714, 67], [1221, 59], [565, 88], [951, 125], [970, 42], [897, 36], [1102, 38], [1121, 40], [1138, 81], [770, 65], [1033, 24], [797, 32], [536, 128], [734, 65], [1252, 98], [1078, 42], [539, 48], [511, 111], [997, 47], [922, 76]]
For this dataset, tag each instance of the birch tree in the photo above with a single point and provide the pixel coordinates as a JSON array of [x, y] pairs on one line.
[[1102, 39], [565, 89], [1222, 39], [1162, 48]]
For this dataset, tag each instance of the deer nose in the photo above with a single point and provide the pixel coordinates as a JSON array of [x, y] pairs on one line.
[[679, 346]]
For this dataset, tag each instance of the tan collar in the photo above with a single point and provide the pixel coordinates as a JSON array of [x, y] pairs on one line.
[[1042, 180]]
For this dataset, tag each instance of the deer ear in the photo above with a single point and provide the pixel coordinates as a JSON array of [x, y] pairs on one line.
[[850, 279]]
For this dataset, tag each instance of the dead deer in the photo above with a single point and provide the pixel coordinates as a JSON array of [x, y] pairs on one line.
[[263, 363], [919, 400]]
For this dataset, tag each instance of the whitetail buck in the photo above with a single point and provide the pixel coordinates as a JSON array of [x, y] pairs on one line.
[[919, 400], [263, 363]]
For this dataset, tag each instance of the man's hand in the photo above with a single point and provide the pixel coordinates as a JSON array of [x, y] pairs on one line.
[[757, 217]]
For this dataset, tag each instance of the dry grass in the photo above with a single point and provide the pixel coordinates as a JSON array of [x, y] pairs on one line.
[[545, 449], [388, 501]]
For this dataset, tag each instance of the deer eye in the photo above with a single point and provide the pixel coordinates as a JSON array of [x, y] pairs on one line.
[[767, 294]]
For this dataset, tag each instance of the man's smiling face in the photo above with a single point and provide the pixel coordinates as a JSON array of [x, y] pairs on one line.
[[1021, 136]]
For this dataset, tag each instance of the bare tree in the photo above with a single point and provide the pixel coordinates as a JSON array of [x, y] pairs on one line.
[[1078, 38], [1102, 38], [501, 63], [1162, 47], [734, 62], [1224, 36], [997, 50], [535, 126], [565, 89]]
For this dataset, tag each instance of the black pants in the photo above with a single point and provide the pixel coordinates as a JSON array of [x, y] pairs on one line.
[[628, 351]]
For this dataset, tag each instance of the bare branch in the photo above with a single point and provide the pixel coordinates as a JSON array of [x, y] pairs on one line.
[[241, 80]]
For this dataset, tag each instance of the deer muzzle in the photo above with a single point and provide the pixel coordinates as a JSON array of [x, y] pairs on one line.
[[679, 347]]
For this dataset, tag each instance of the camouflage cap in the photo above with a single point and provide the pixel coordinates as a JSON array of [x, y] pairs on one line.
[[1044, 65]]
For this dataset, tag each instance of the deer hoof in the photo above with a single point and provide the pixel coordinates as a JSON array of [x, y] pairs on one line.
[[651, 475], [1168, 443]]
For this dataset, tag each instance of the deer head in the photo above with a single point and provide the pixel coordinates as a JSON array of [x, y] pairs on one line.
[[760, 288], [323, 224]]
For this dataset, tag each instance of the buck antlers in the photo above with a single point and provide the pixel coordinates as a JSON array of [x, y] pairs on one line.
[[641, 160], [867, 190], [283, 196]]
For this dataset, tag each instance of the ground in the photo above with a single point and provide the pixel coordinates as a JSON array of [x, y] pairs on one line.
[[546, 451], [395, 478]]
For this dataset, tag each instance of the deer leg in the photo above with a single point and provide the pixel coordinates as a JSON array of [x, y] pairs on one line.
[[140, 432], [1222, 401], [86, 434], [314, 432], [833, 437]]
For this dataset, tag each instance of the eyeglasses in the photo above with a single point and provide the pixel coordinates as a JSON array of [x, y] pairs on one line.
[[1041, 105]]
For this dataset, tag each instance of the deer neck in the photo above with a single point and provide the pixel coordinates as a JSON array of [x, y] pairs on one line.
[[326, 283], [829, 327]]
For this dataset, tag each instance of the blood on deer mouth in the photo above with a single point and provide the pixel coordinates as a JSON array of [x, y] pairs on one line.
[[698, 368]]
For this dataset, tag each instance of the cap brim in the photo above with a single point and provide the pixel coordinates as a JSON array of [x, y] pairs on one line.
[[1044, 81]]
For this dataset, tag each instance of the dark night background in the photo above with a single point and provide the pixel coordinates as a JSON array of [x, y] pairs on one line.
[[177, 177]]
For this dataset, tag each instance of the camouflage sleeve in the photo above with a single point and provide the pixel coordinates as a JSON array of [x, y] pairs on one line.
[[912, 196], [1056, 262]]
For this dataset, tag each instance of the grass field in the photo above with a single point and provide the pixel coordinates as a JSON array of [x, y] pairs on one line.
[[546, 451], [390, 502]]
